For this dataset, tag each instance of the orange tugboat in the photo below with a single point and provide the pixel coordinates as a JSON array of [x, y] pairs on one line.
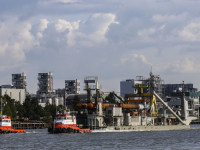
[[5, 125], [65, 122]]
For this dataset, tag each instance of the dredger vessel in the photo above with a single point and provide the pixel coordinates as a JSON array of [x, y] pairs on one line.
[[144, 110]]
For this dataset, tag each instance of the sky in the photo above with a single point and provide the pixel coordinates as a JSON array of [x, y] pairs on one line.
[[112, 39]]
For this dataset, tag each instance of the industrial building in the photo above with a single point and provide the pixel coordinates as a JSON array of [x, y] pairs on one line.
[[126, 85], [60, 92], [72, 86], [169, 88], [19, 81], [17, 90], [45, 83], [51, 99], [17, 94]]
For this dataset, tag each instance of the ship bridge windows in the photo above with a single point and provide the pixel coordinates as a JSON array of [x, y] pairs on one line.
[[63, 118], [4, 120]]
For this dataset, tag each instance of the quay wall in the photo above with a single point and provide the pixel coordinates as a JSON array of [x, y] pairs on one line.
[[28, 125]]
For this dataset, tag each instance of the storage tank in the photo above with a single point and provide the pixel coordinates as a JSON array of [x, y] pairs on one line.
[[40, 101], [60, 102], [44, 100], [56, 101], [49, 100]]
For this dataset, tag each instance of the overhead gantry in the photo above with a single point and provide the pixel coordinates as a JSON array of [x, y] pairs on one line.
[[152, 96], [140, 93]]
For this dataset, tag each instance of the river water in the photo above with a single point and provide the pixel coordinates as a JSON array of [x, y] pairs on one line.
[[144, 140]]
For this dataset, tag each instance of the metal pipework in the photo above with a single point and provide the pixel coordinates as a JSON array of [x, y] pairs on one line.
[[85, 105], [169, 108], [105, 105], [130, 106]]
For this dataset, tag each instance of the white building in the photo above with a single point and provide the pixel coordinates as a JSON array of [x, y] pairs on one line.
[[17, 94]]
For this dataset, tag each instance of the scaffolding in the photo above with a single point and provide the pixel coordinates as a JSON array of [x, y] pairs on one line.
[[156, 84]]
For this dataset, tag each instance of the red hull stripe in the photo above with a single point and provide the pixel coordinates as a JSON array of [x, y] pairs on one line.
[[71, 126], [8, 128]]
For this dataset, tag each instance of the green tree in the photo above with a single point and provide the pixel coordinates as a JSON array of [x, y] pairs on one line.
[[20, 109], [51, 109], [7, 111], [37, 109], [28, 108], [2, 102], [11, 103], [32, 109], [48, 118]]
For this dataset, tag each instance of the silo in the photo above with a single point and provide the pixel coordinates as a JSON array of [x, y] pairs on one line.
[[49, 100], [44, 100], [60, 100], [56, 101]]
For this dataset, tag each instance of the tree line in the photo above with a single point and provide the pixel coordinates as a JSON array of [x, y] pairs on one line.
[[29, 109]]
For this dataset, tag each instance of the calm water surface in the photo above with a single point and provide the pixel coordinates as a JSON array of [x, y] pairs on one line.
[[40, 139]]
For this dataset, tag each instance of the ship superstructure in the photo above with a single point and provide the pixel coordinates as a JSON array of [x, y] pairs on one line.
[[6, 127], [65, 122]]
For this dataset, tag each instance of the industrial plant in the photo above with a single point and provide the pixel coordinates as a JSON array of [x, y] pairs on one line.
[[143, 103]]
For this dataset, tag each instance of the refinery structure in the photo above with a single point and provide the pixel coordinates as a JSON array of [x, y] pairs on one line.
[[143, 103]]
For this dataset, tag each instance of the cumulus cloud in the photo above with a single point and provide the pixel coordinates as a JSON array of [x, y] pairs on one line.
[[145, 33], [105, 38], [170, 18], [190, 32], [68, 1], [94, 29], [86, 32], [135, 58], [43, 24], [14, 42], [186, 65]]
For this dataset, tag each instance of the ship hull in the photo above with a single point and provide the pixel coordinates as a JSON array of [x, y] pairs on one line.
[[142, 128], [4, 130], [67, 129]]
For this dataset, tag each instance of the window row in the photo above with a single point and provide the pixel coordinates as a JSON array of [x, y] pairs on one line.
[[63, 118]]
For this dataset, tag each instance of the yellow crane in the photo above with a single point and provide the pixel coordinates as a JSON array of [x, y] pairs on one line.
[[140, 93]]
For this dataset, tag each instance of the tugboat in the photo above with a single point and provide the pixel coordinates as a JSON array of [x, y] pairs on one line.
[[5, 125], [65, 122]]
